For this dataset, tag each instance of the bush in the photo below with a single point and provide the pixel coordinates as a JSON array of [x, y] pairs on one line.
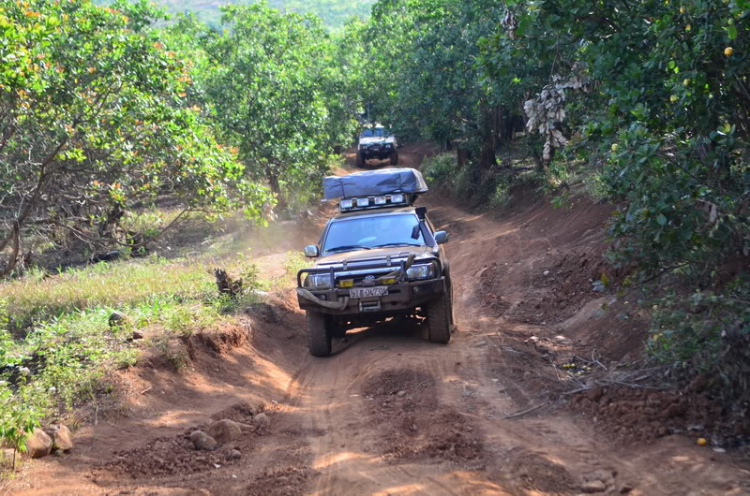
[[707, 332]]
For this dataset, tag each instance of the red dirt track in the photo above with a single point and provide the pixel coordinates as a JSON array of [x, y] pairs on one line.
[[391, 413]]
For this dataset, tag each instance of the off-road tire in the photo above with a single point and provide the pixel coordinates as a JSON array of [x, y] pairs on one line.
[[360, 160], [336, 330], [394, 158], [439, 319], [318, 335]]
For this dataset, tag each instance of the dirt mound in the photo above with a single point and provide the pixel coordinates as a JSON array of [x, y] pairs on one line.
[[561, 284], [241, 412], [414, 424], [168, 457], [535, 472], [635, 415], [220, 341], [287, 481]]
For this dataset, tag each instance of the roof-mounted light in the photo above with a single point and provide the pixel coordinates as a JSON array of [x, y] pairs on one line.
[[366, 203]]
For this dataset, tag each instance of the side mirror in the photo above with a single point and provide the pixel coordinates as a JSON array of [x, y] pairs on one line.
[[311, 251], [442, 237]]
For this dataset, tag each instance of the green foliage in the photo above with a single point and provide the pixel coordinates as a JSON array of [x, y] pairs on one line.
[[644, 103], [709, 334], [275, 87], [93, 116]]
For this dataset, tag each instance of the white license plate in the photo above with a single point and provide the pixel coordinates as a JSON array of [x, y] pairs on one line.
[[368, 292]]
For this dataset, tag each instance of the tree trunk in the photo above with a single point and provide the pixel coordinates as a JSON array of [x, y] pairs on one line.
[[460, 157], [10, 265], [273, 182], [487, 158]]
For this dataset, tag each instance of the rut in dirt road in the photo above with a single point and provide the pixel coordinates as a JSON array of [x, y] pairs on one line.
[[389, 412]]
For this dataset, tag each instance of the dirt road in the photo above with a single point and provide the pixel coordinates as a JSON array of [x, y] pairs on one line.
[[390, 413]]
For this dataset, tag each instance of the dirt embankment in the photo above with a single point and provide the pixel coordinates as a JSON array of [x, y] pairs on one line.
[[390, 413]]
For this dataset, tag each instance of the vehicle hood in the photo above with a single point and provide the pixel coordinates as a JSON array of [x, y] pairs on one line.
[[394, 252], [376, 140]]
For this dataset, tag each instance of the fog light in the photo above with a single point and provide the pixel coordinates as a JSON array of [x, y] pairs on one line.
[[380, 200], [346, 283], [397, 198], [363, 202], [346, 204]]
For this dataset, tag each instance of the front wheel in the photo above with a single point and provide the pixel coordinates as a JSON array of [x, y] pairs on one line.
[[394, 158], [439, 319], [318, 334], [360, 160]]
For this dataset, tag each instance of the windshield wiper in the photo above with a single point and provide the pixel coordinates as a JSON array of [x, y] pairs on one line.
[[396, 244], [348, 247]]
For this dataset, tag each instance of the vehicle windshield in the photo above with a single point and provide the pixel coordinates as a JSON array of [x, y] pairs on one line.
[[373, 232], [377, 132]]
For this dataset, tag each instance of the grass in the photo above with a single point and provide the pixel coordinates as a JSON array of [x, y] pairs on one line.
[[56, 342], [58, 347]]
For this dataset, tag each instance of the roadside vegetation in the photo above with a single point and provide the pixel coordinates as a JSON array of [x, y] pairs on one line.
[[642, 104]]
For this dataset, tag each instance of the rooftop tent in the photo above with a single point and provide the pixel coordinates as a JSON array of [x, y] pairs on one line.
[[374, 183]]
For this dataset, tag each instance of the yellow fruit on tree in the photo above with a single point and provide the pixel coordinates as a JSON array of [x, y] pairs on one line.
[[673, 98], [682, 10], [728, 51], [615, 147]]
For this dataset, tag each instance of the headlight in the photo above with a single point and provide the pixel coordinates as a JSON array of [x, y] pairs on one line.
[[317, 281], [421, 272]]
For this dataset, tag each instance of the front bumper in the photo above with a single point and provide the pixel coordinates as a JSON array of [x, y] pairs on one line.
[[379, 153], [403, 296]]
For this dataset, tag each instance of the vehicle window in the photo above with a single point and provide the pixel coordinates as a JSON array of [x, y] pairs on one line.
[[373, 232], [378, 132]]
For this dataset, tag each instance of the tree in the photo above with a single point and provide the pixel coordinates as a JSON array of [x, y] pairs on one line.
[[274, 86], [92, 120]]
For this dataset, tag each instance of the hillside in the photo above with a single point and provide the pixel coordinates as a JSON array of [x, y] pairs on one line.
[[333, 12]]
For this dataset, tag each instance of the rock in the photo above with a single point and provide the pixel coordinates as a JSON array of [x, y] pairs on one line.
[[533, 339], [119, 319], [594, 486], [38, 444], [562, 340], [262, 421], [546, 273], [62, 439], [224, 431], [401, 394], [234, 455], [203, 441], [137, 335], [626, 489]]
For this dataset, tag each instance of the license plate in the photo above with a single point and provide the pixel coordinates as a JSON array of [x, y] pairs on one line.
[[368, 292]]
